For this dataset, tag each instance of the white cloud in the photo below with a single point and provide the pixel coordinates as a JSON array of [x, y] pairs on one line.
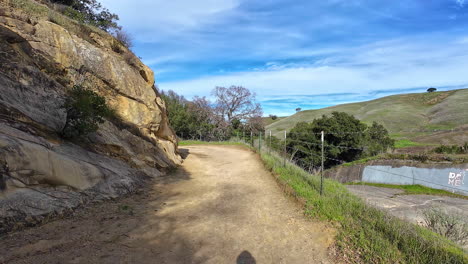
[[461, 3], [395, 64]]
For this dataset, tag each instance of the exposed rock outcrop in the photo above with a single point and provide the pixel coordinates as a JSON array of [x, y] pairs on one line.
[[40, 61]]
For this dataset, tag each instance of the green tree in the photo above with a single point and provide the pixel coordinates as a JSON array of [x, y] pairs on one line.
[[90, 12], [346, 139], [191, 119], [85, 110], [378, 139], [177, 112]]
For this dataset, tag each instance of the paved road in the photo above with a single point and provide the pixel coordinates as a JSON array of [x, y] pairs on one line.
[[222, 206], [408, 207]]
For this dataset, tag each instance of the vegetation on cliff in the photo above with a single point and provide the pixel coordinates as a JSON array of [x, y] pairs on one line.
[[89, 12], [85, 111]]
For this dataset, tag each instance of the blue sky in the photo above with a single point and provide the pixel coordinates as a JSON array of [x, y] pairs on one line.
[[308, 54]]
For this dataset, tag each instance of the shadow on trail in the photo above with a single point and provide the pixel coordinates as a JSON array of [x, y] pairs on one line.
[[245, 258], [131, 229], [175, 219]]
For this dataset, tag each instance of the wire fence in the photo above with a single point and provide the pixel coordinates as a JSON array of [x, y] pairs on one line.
[[315, 154], [289, 148]]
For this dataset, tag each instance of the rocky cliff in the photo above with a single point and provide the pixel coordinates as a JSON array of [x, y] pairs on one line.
[[42, 55]]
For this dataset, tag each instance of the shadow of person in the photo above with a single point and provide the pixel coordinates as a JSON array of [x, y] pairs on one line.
[[245, 258]]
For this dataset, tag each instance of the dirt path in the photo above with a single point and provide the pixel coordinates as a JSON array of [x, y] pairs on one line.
[[222, 206]]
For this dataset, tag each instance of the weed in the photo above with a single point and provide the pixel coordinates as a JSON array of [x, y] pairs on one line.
[[404, 143], [116, 46], [453, 226], [412, 189], [197, 142], [30, 8], [126, 208], [452, 149], [131, 59]]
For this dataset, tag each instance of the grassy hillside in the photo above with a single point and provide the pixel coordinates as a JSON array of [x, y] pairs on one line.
[[268, 120], [402, 114]]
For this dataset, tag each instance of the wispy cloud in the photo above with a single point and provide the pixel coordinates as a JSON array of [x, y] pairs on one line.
[[292, 50]]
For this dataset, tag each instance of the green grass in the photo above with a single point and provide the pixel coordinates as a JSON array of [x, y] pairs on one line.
[[268, 120], [44, 12], [404, 143], [361, 161], [31, 8], [365, 234], [398, 113], [413, 189], [198, 142]]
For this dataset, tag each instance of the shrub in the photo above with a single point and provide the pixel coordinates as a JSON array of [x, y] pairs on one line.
[[85, 111], [116, 46], [273, 117], [124, 38], [131, 59], [452, 149], [453, 226]]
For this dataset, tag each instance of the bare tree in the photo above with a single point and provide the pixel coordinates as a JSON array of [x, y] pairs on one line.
[[201, 108], [236, 102], [255, 124]]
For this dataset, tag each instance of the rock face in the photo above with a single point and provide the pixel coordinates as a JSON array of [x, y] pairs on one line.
[[41, 174]]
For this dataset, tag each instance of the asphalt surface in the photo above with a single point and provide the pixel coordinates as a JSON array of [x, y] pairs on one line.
[[409, 207]]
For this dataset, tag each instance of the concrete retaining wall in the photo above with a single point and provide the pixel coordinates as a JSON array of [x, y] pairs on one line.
[[450, 177]]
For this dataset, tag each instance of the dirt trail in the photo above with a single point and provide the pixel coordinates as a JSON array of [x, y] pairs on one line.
[[221, 206]]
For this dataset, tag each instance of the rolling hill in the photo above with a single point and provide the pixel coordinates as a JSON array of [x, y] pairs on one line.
[[404, 115]]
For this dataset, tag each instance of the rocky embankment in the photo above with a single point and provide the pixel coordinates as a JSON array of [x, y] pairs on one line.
[[40, 60]]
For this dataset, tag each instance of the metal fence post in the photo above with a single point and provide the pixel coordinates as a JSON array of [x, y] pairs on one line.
[[321, 169], [260, 142], [284, 156], [251, 138], [269, 144]]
